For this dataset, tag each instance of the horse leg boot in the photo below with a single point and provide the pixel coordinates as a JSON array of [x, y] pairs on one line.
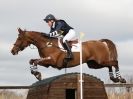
[[112, 75], [69, 52], [118, 75], [35, 72]]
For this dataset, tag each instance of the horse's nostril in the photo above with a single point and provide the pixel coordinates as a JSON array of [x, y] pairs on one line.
[[13, 52]]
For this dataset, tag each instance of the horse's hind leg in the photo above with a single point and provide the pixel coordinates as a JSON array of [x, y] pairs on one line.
[[118, 75], [112, 75]]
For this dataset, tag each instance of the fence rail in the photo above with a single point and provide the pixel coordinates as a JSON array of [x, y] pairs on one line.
[[118, 85], [28, 87]]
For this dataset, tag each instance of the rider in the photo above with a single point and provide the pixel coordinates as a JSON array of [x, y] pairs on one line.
[[59, 28]]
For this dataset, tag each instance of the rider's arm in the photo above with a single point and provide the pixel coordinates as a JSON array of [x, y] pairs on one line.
[[55, 33]]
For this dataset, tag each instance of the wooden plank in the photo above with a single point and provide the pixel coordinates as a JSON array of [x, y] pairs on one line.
[[28, 87]]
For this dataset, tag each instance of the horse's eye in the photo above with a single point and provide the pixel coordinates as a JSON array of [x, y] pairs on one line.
[[19, 38]]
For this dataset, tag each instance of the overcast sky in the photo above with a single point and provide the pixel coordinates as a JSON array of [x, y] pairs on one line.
[[112, 19]]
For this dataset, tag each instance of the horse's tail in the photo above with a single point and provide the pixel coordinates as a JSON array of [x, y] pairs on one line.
[[112, 49]]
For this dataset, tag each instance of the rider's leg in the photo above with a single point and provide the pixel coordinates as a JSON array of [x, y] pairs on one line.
[[69, 52], [68, 36]]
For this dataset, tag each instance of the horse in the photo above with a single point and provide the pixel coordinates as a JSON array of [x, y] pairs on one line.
[[95, 53]]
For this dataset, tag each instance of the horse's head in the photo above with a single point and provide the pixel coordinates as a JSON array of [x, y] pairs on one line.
[[21, 43]]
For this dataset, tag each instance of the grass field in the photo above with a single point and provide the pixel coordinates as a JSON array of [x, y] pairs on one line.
[[119, 93], [120, 96], [7, 94]]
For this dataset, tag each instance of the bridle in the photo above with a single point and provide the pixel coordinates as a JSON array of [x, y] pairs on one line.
[[17, 47], [20, 47]]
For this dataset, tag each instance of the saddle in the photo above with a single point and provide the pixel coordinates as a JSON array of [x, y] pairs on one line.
[[71, 42]]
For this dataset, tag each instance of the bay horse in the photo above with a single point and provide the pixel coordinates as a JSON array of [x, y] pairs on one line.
[[95, 53]]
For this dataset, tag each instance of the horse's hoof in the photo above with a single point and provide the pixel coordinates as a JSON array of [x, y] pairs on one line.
[[115, 80], [32, 72], [38, 76], [122, 80]]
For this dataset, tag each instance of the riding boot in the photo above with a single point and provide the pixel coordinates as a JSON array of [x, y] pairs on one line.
[[69, 52]]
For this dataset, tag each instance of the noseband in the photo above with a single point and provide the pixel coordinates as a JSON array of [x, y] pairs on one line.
[[18, 47]]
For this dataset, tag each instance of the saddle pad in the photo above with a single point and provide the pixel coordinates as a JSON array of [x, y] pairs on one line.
[[75, 47]]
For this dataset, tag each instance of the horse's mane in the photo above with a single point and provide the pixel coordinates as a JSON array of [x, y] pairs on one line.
[[46, 35], [42, 34]]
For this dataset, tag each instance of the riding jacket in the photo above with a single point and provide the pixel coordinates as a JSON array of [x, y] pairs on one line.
[[59, 27]]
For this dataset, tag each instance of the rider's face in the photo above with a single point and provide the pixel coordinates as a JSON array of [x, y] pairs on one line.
[[50, 23]]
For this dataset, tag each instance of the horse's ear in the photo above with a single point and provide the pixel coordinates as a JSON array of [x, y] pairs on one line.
[[20, 31]]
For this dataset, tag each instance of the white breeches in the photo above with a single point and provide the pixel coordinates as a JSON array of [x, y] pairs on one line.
[[69, 36]]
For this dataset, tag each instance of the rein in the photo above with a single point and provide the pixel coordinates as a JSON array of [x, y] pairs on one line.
[[48, 43]]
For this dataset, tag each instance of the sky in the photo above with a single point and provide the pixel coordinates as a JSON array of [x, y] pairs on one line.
[[111, 19]]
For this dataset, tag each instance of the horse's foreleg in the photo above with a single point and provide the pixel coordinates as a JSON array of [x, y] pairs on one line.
[[35, 72], [118, 75], [42, 61], [34, 69]]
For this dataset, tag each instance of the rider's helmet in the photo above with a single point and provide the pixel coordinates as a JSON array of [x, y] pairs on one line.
[[49, 17]]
